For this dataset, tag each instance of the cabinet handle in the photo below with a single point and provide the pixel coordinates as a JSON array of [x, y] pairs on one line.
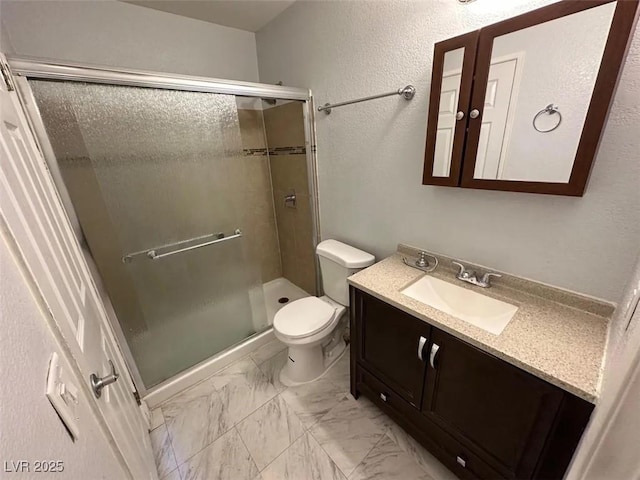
[[460, 115], [461, 461], [432, 356], [383, 397], [421, 343], [475, 113]]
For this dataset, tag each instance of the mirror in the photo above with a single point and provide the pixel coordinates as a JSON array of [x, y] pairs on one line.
[[538, 92], [447, 110]]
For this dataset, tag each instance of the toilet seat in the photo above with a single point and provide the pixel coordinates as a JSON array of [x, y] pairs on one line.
[[304, 317]]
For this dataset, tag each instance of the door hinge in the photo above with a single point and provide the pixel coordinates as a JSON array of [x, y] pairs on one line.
[[6, 76], [136, 395]]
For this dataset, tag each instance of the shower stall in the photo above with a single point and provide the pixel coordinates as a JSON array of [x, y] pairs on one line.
[[195, 201]]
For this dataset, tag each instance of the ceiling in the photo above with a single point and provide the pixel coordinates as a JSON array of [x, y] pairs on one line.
[[250, 15]]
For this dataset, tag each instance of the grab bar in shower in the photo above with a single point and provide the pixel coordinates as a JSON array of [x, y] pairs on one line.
[[154, 255]]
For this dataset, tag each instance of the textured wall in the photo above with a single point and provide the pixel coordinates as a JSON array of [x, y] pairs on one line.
[[29, 426], [123, 35], [370, 155]]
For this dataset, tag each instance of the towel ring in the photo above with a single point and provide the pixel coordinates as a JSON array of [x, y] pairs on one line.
[[549, 110]]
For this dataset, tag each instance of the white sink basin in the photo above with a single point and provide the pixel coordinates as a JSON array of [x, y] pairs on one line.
[[484, 312]]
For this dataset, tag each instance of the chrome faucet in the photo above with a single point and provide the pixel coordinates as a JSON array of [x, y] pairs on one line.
[[422, 263], [469, 276]]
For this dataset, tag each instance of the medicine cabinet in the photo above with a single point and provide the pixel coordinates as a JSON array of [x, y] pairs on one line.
[[520, 105]]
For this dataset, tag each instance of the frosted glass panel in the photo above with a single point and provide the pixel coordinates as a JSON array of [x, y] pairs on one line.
[[146, 168]]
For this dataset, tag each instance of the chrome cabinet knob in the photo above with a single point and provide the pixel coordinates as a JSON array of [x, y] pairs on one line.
[[475, 113], [97, 383], [460, 115]]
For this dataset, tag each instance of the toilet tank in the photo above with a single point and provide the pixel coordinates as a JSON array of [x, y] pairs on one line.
[[338, 261]]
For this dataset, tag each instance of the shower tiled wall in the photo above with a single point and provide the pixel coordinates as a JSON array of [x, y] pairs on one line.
[[257, 213], [284, 125]]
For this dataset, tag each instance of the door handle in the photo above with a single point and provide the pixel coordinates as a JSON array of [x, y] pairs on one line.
[[432, 356], [97, 383], [421, 343]]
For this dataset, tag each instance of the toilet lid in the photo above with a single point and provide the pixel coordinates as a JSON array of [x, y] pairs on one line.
[[303, 317]]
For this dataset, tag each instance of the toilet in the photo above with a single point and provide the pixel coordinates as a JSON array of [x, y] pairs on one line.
[[313, 327]]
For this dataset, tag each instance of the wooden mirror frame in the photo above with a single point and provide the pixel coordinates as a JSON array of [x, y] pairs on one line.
[[470, 42]]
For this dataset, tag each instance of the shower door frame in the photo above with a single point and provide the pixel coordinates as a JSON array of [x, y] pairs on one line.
[[28, 68]]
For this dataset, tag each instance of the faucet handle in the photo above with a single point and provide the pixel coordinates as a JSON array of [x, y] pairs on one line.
[[462, 270], [486, 278]]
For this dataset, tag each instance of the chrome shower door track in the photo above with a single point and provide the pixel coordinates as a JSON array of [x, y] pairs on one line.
[[33, 68]]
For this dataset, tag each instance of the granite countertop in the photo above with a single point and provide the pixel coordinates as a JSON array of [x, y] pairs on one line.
[[555, 335]]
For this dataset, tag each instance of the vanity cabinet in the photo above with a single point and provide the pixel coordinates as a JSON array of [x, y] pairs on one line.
[[389, 346], [489, 405], [521, 105], [481, 416]]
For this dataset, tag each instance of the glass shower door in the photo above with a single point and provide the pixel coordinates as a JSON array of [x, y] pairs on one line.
[[160, 170]]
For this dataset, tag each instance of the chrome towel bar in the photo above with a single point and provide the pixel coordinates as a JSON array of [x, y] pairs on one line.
[[407, 93], [157, 253]]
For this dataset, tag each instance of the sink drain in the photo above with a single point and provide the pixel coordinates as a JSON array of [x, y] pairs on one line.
[[283, 299]]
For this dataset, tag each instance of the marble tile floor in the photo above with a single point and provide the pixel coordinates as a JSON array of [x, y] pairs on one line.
[[242, 423]]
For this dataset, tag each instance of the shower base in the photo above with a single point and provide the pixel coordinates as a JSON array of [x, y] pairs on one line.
[[274, 291]]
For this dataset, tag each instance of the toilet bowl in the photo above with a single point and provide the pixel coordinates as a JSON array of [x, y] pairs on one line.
[[306, 327], [313, 327]]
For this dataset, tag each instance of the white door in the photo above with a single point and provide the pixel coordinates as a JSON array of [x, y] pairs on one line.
[[496, 118], [449, 95], [32, 212]]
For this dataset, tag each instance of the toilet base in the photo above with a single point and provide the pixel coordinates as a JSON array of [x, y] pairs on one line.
[[305, 365]]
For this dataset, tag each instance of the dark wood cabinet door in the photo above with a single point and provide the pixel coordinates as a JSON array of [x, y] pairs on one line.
[[443, 166], [497, 410], [388, 343]]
